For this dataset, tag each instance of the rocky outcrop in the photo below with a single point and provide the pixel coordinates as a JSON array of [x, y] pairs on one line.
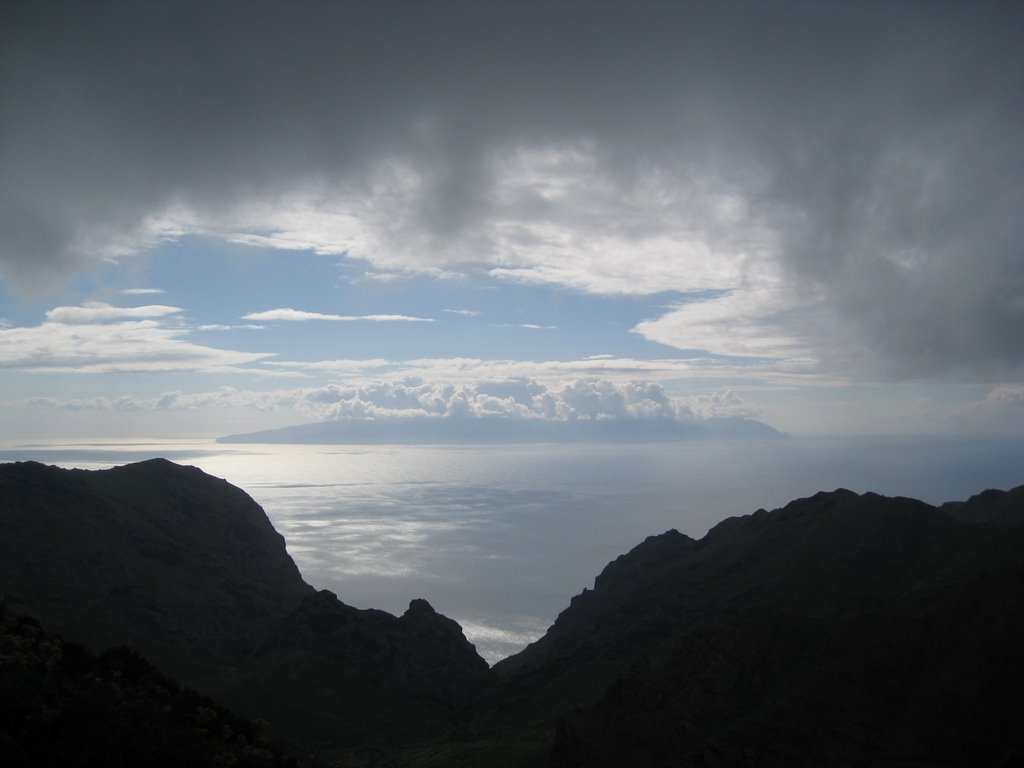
[[338, 676], [181, 565]]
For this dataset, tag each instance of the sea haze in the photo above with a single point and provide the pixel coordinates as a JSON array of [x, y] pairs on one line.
[[500, 537]]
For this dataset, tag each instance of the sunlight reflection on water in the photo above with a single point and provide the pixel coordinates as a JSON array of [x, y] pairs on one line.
[[500, 537]]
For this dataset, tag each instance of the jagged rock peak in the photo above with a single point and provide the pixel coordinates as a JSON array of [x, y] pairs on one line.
[[420, 606]]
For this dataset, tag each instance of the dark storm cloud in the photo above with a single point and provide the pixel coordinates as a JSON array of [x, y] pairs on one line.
[[878, 143]]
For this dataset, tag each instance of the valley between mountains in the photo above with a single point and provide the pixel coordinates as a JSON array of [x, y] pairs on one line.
[[841, 629]]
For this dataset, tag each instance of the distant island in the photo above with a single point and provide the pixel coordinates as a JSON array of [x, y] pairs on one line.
[[841, 629], [503, 430]]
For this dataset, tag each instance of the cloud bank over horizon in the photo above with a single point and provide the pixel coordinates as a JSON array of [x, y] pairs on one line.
[[413, 398], [834, 183], [418, 412]]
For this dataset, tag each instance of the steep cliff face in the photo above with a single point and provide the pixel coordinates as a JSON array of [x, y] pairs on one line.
[[183, 566], [188, 570]]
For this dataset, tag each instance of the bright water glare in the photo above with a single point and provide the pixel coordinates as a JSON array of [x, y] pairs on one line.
[[501, 537]]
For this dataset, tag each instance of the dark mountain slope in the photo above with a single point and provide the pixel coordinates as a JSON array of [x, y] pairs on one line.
[[65, 706], [188, 570], [839, 630], [185, 567], [814, 557], [338, 676], [1004, 507]]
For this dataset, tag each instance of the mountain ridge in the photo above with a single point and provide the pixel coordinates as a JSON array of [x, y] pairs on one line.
[[144, 545], [839, 629], [787, 598], [188, 570]]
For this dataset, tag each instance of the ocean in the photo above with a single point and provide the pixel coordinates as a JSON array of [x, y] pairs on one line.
[[501, 537]]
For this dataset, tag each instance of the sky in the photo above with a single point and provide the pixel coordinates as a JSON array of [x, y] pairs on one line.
[[230, 216]]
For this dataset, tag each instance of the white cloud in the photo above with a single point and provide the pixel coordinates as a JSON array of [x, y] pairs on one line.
[[723, 403], [219, 399], [664, 370], [579, 400], [463, 312], [141, 291], [99, 312], [1009, 396], [1001, 411], [530, 326], [99, 338], [763, 322], [649, 151], [546, 214], [296, 315], [408, 274], [222, 327], [614, 368], [336, 366]]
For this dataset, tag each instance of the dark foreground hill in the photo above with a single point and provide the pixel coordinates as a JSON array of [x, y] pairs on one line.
[[839, 630], [188, 570], [184, 566], [842, 629], [65, 706]]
